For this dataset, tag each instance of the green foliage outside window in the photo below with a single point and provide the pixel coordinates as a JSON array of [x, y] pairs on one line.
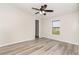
[[56, 27], [55, 30]]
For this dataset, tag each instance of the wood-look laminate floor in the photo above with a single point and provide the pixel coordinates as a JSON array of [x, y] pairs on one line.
[[40, 47]]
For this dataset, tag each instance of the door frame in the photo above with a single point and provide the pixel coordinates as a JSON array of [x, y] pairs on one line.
[[36, 28]]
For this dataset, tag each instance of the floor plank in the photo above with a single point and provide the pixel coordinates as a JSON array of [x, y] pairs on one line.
[[41, 46]]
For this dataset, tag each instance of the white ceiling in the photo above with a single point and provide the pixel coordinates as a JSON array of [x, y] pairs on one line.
[[59, 8]]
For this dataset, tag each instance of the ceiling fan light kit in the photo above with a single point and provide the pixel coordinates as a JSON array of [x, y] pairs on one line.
[[42, 10]]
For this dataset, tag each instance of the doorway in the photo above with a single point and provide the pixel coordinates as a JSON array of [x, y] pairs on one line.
[[36, 28]]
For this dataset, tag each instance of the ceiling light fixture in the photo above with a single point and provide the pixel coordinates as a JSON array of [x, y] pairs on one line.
[[40, 12]]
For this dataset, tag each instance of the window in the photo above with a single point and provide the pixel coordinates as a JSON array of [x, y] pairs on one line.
[[56, 27]]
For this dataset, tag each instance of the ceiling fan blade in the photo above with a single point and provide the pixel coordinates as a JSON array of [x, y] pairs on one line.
[[36, 12], [48, 10], [35, 8]]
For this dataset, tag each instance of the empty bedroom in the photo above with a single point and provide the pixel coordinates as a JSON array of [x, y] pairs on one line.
[[39, 28]]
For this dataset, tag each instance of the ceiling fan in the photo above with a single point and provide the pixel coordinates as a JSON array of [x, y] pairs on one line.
[[42, 10]]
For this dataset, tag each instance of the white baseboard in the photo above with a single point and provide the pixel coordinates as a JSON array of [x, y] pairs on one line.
[[63, 41], [14, 43]]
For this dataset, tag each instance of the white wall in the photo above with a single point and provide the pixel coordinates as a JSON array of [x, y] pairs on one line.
[[15, 25], [69, 31]]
